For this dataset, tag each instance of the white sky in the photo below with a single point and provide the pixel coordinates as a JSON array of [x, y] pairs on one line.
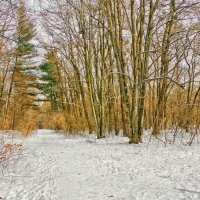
[[32, 3]]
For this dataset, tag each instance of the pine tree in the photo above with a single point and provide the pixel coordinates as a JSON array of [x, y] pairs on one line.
[[49, 85], [23, 88]]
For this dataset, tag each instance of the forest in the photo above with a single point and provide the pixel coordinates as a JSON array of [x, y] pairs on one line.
[[100, 66]]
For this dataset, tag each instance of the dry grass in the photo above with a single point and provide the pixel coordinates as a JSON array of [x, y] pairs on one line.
[[66, 122], [7, 150]]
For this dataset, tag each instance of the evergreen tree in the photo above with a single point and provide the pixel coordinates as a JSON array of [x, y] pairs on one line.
[[50, 81], [24, 84]]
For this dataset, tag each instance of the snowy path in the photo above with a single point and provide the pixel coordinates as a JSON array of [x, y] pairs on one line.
[[56, 168]]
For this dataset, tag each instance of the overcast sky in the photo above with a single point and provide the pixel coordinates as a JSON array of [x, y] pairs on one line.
[[32, 3]]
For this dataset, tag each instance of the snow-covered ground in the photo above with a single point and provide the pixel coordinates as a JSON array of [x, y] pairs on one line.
[[52, 167]]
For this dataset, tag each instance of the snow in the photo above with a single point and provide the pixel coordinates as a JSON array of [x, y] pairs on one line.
[[54, 167]]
